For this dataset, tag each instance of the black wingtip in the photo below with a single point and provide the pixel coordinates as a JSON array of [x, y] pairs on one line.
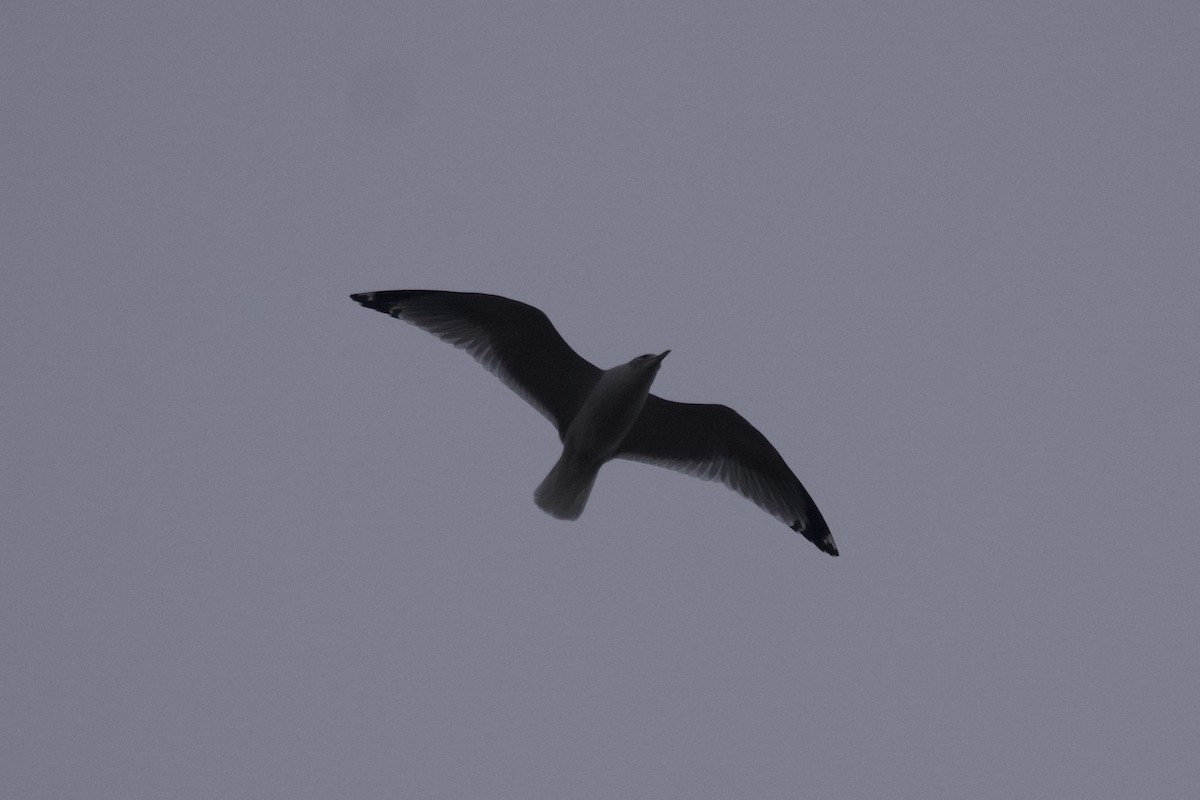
[[824, 544], [383, 302]]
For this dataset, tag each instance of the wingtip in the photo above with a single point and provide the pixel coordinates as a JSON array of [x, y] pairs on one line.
[[383, 302], [825, 544]]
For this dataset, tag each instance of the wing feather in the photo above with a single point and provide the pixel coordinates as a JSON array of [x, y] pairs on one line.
[[714, 442], [513, 340]]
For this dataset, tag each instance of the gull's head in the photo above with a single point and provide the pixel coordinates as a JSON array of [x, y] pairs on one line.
[[649, 362], [644, 367]]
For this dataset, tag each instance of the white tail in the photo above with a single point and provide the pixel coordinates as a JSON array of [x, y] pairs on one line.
[[565, 490]]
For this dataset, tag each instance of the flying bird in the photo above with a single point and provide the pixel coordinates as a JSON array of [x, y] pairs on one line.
[[602, 414]]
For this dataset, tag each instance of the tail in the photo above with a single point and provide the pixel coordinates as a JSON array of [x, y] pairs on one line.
[[565, 490]]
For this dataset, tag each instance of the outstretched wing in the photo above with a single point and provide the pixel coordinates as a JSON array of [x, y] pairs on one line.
[[515, 341], [716, 443]]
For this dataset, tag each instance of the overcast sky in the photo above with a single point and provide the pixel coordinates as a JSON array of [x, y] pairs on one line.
[[261, 542]]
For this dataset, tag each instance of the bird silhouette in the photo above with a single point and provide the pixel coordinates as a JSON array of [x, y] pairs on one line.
[[605, 414]]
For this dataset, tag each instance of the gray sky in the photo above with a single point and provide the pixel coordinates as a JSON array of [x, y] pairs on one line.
[[261, 542]]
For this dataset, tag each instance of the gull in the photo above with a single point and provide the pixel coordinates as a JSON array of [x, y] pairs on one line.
[[605, 414]]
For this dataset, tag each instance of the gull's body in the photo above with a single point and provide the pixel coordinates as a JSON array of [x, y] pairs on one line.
[[605, 414]]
